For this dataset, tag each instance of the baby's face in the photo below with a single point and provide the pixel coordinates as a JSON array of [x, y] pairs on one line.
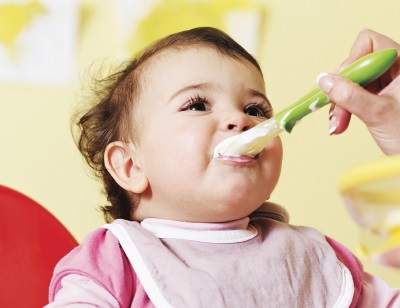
[[191, 100]]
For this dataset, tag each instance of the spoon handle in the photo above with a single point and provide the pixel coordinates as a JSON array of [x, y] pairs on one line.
[[362, 71]]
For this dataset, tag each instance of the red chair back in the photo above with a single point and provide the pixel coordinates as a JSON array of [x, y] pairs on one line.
[[32, 241]]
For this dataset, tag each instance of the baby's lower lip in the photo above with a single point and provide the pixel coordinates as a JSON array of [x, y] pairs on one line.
[[238, 159]]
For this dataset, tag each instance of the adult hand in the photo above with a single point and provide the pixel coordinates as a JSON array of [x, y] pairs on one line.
[[390, 258], [377, 105]]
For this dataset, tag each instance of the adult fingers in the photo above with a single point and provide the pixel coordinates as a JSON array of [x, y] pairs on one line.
[[349, 96], [390, 258], [380, 113], [369, 41]]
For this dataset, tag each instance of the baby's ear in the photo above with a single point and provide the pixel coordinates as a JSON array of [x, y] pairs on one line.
[[119, 159]]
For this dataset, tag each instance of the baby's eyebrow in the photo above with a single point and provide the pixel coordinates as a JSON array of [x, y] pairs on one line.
[[260, 94], [205, 85]]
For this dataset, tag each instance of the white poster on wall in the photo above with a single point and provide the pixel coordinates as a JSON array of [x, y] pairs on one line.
[[38, 41]]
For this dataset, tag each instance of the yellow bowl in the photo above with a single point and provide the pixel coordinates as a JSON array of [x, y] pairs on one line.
[[372, 196]]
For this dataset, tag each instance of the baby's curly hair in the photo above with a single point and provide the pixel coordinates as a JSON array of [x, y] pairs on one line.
[[109, 116]]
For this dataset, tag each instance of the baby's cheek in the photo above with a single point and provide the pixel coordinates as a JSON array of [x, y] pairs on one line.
[[274, 152], [272, 156]]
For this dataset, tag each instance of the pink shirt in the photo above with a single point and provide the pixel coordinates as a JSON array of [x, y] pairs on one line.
[[99, 272]]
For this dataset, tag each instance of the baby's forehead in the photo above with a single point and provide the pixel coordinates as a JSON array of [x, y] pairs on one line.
[[194, 64], [172, 56], [177, 54]]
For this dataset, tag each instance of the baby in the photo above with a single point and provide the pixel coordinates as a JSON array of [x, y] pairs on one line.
[[186, 229]]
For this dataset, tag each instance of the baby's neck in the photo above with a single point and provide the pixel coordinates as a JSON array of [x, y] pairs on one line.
[[201, 226]]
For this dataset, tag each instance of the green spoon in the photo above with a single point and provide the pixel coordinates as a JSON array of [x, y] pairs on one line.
[[250, 143]]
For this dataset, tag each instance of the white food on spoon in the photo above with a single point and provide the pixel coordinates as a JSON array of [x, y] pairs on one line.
[[249, 143]]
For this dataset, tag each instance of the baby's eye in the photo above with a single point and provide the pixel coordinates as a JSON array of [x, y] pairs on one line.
[[197, 107], [259, 110], [196, 103]]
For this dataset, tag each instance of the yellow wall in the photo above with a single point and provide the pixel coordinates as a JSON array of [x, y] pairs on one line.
[[302, 38]]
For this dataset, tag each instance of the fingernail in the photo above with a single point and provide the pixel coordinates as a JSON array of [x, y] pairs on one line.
[[325, 82], [332, 112], [332, 125]]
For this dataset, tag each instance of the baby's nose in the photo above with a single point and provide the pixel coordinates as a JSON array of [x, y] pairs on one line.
[[237, 121]]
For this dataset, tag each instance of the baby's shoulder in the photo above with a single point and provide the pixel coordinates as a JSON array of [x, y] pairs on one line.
[[100, 258]]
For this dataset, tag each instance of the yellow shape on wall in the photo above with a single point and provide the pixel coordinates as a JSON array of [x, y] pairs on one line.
[[15, 18], [171, 16]]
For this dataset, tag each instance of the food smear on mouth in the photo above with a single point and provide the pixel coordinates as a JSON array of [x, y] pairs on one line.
[[249, 143]]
